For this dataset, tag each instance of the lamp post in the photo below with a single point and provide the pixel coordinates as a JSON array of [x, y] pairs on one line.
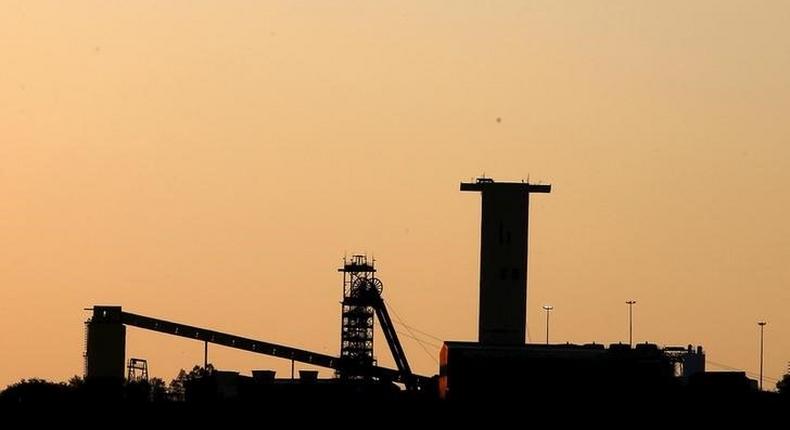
[[630, 304], [548, 309], [762, 326]]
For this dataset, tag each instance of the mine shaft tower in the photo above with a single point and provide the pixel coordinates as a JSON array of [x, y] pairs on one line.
[[362, 301], [356, 332], [503, 259]]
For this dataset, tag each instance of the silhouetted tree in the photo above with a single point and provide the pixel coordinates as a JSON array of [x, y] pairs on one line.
[[33, 391], [783, 386], [176, 389], [76, 382], [78, 387], [198, 372], [138, 391], [159, 391], [197, 385]]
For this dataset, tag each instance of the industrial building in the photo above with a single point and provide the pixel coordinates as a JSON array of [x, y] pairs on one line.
[[499, 364]]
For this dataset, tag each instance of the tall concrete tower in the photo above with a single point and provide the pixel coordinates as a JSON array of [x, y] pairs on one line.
[[105, 344], [503, 259]]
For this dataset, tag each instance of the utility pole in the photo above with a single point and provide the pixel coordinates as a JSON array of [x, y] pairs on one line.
[[762, 326], [548, 309], [630, 304]]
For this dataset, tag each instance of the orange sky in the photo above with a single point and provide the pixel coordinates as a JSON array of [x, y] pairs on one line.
[[211, 162]]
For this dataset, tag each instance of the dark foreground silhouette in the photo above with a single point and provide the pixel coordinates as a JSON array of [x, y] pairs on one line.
[[204, 392]]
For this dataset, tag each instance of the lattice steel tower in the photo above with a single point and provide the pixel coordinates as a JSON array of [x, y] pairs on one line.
[[356, 335]]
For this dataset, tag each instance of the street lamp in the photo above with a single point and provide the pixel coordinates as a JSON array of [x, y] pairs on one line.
[[762, 326], [548, 309], [630, 304]]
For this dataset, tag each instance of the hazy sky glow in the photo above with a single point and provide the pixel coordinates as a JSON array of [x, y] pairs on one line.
[[210, 162]]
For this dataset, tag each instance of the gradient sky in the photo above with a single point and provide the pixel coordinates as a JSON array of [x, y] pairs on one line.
[[210, 162]]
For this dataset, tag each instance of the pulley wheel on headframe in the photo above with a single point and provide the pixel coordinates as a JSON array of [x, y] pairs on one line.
[[376, 285]]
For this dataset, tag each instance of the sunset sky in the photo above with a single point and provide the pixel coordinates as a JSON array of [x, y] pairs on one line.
[[211, 162]]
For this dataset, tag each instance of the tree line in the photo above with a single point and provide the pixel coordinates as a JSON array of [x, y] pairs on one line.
[[77, 389]]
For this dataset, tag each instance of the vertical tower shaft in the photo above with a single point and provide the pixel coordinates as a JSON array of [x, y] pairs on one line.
[[105, 345], [504, 236]]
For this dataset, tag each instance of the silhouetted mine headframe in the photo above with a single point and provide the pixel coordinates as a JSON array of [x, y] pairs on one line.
[[361, 300]]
